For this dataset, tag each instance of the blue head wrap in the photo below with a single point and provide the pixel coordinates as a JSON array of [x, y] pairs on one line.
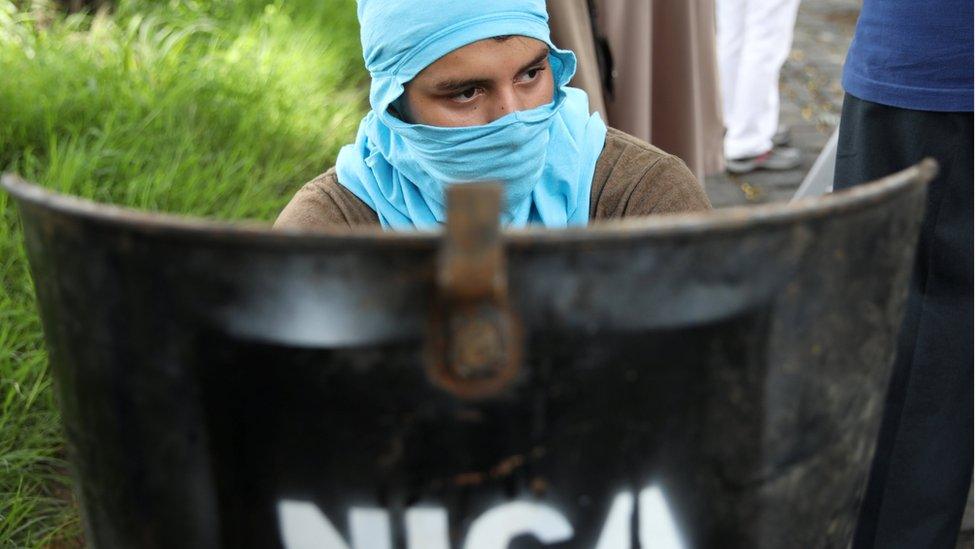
[[545, 157]]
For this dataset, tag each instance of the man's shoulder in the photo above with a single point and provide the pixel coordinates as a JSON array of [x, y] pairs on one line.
[[322, 203], [634, 178], [621, 143]]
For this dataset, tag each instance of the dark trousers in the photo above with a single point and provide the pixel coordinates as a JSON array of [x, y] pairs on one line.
[[923, 463]]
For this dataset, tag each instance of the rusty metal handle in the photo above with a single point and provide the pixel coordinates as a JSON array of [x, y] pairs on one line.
[[472, 262], [474, 342]]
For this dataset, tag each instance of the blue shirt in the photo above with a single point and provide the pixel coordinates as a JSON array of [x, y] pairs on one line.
[[913, 54]]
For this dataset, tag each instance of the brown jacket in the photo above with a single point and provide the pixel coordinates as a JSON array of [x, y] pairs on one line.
[[632, 178]]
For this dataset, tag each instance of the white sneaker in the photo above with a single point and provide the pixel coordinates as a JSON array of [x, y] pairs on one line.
[[778, 159], [782, 137]]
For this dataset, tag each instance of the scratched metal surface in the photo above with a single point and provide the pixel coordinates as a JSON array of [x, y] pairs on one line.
[[736, 361]]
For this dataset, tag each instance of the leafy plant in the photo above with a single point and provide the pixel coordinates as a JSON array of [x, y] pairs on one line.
[[221, 108]]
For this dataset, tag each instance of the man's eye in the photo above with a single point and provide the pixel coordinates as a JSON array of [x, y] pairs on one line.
[[531, 75], [467, 95]]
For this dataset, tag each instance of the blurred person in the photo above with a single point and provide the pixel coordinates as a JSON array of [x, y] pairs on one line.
[[665, 76], [909, 84], [573, 28], [476, 91], [754, 40]]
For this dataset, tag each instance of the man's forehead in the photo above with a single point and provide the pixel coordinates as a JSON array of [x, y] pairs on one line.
[[490, 53]]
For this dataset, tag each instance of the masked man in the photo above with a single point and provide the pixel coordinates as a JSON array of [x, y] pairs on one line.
[[476, 91]]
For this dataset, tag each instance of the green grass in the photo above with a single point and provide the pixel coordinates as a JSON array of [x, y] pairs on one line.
[[219, 108]]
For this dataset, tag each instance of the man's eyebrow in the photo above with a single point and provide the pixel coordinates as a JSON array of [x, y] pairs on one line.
[[542, 57], [453, 85]]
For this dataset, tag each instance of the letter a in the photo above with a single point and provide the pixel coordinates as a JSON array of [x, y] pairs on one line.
[[616, 529]]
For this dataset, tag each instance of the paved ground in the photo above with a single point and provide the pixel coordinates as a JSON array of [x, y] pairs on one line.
[[811, 98]]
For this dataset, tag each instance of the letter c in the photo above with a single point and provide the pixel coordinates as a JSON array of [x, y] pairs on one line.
[[497, 528]]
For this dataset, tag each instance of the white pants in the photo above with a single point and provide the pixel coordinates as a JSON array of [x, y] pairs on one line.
[[754, 40]]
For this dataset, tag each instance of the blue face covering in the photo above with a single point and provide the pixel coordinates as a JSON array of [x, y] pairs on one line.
[[545, 157]]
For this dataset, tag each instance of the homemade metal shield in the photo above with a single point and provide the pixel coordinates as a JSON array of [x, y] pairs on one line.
[[711, 380]]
